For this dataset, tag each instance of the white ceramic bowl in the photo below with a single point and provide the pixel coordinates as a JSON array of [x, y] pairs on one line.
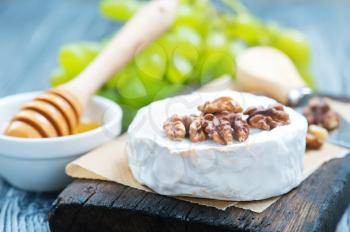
[[39, 164]]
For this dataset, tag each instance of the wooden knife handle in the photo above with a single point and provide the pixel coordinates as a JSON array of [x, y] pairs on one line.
[[270, 72]]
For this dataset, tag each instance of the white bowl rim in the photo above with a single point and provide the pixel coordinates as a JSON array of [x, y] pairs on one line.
[[102, 100]]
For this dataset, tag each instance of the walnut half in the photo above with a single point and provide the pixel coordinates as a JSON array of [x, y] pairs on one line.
[[218, 129], [221, 120], [196, 131], [240, 128], [316, 137], [267, 118], [319, 112], [220, 105], [175, 128]]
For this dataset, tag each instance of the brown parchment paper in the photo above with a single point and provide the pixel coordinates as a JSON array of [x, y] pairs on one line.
[[109, 162]]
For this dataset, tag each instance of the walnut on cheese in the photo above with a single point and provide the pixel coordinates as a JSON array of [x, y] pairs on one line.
[[221, 120]]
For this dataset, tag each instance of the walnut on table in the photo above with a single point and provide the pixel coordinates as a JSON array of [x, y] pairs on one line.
[[319, 112], [267, 118], [321, 119], [316, 137]]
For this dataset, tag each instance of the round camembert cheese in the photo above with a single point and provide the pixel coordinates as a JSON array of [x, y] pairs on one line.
[[267, 164]]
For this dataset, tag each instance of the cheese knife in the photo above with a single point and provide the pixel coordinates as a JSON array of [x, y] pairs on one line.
[[270, 72]]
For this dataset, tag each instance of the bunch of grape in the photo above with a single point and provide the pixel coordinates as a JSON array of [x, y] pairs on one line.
[[200, 46]]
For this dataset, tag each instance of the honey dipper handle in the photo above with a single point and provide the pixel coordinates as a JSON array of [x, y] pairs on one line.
[[268, 71], [146, 26]]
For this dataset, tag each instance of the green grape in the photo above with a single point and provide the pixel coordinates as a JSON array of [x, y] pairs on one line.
[[91, 49], [112, 82], [152, 62], [203, 5], [136, 102], [187, 51], [119, 79], [188, 15], [169, 43], [181, 37], [183, 47], [249, 29], [128, 115], [216, 41], [75, 57], [182, 64], [168, 90], [272, 31], [294, 44], [159, 89], [236, 47], [109, 93], [217, 64], [131, 89], [183, 2], [179, 70], [120, 10], [185, 34], [59, 76], [218, 58]]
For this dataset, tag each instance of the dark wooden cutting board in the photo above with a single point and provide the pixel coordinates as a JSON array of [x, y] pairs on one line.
[[316, 205], [89, 205]]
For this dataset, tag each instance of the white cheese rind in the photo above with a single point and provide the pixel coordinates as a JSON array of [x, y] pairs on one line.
[[269, 163]]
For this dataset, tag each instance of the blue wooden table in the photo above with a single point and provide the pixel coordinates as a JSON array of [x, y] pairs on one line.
[[32, 31]]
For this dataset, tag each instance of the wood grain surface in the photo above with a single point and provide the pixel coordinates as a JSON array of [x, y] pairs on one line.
[[88, 205], [32, 31]]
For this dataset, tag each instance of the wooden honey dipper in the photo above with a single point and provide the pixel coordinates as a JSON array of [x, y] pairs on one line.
[[57, 112]]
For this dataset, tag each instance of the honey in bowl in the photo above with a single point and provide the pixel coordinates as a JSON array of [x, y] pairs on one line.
[[86, 126], [81, 128]]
